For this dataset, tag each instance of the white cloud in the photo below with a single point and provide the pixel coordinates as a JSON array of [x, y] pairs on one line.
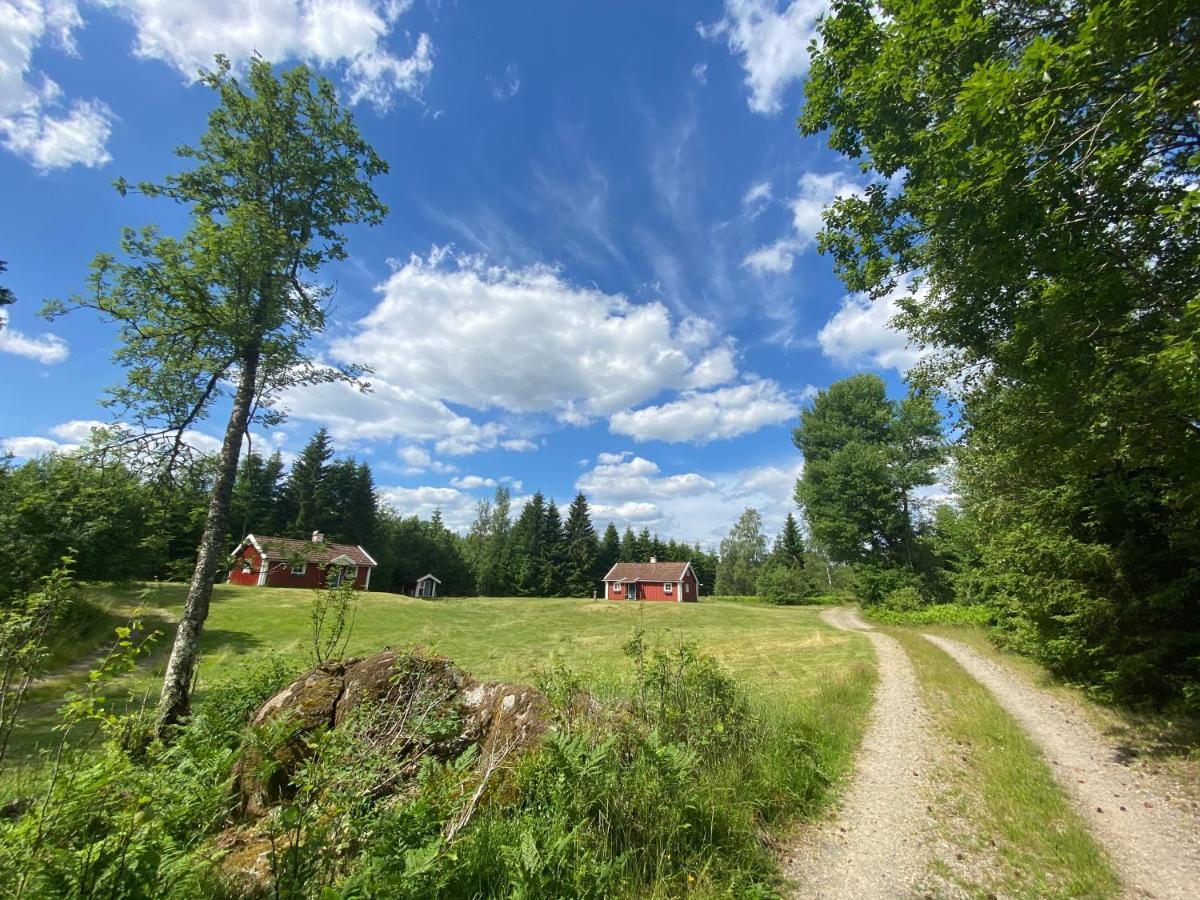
[[703, 416], [637, 478], [388, 412], [473, 482], [47, 349], [507, 85], [77, 431], [28, 446], [457, 508], [775, 257], [814, 193], [689, 506], [525, 341], [36, 123], [71, 435], [861, 333], [700, 73], [608, 459], [418, 459], [772, 44], [757, 194], [518, 445], [353, 34], [630, 512]]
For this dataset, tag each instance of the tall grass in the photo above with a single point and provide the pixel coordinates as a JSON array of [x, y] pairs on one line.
[[673, 788]]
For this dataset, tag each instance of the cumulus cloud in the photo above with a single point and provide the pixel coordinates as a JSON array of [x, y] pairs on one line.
[[703, 416], [526, 341], [814, 193], [861, 333], [388, 411], [351, 34], [71, 435], [771, 42], [636, 478], [47, 349], [690, 506], [473, 482], [457, 508], [418, 459], [36, 122]]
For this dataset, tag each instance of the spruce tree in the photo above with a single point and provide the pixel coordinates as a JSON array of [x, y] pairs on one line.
[[528, 556], [610, 550], [629, 549], [304, 486], [553, 553], [789, 546], [582, 549]]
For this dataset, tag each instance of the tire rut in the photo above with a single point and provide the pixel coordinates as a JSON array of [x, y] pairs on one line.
[[1154, 846], [878, 844]]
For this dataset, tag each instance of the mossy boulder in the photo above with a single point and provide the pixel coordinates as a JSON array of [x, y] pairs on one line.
[[414, 705]]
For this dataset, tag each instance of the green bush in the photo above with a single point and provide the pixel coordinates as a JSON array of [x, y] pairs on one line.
[[934, 614], [784, 585], [903, 599]]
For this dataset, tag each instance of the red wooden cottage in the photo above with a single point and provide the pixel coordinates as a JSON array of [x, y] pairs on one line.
[[286, 562], [652, 581]]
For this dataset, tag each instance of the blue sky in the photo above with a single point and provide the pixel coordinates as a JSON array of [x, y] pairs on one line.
[[598, 272]]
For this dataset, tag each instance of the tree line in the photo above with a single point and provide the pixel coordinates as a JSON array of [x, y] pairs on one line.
[[121, 526]]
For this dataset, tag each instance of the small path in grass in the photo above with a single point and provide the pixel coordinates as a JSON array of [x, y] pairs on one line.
[[878, 844], [1139, 818]]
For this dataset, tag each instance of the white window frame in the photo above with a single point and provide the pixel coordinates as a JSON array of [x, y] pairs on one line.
[[303, 567], [668, 587], [616, 588]]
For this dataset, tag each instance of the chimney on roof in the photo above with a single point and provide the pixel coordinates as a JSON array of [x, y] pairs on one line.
[[318, 538], [653, 559]]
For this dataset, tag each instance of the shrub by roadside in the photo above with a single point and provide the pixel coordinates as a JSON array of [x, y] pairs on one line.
[[933, 614]]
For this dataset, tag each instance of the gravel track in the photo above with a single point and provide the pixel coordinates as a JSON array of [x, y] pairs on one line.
[[1154, 844], [878, 845]]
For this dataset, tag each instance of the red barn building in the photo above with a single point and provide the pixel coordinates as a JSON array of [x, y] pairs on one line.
[[286, 562], [652, 581]]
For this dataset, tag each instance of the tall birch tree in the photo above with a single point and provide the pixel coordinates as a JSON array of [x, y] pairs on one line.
[[230, 307]]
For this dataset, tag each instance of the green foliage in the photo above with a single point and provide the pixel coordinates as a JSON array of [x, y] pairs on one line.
[[7, 298], [116, 525], [743, 552], [1031, 206], [332, 617], [304, 493], [26, 630], [932, 614], [785, 585], [666, 793], [582, 565], [864, 455]]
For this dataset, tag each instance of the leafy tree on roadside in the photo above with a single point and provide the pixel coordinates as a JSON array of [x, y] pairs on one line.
[[1031, 203], [280, 173], [743, 551], [864, 455]]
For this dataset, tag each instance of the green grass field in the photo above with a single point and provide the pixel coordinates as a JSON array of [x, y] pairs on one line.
[[784, 655]]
